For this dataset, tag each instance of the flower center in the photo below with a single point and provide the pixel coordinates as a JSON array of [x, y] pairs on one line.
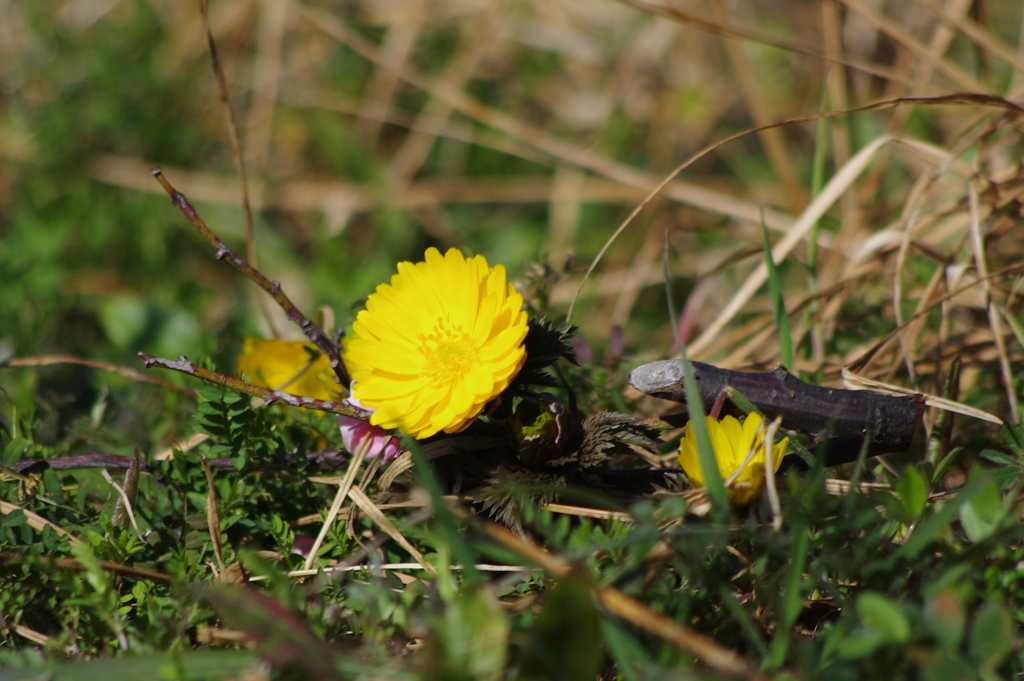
[[449, 352]]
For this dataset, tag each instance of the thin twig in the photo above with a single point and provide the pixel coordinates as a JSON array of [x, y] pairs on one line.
[[269, 396], [482, 567], [236, 147], [308, 326]]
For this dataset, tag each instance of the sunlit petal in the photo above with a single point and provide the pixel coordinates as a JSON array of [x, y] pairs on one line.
[[436, 344]]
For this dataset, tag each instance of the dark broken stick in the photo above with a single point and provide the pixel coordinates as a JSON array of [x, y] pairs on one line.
[[843, 418], [308, 326]]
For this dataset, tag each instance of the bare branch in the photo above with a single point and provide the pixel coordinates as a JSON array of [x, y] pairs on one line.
[[183, 365], [308, 326]]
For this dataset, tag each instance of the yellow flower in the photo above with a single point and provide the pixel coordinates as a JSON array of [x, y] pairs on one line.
[[732, 443], [434, 346], [285, 365]]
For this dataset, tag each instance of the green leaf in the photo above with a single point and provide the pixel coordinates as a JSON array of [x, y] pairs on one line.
[[995, 456], [913, 492], [445, 519], [991, 636], [213, 408], [980, 515], [211, 393], [624, 649], [944, 465], [945, 618], [565, 641], [929, 529], [859, 645], [883, 617], [471, 639], [125, 320], [15, 518], [281, 634], [1014, 436], [948, 667], [791, 600]]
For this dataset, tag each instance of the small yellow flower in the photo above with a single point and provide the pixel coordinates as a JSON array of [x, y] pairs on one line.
[[285, 365], [732, 442], [434, 346]]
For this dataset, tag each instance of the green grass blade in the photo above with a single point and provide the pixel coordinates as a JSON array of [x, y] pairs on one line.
[[791, 600], [817, 182], [713, 483], [446, 521]]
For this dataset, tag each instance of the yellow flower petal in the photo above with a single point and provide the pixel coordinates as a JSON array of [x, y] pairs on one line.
[[436, 344], [286, 365], [732, 442]]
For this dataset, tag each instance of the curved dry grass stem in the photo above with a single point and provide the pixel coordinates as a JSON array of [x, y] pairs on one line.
[[50, 360], [981, 264], [840, 182]]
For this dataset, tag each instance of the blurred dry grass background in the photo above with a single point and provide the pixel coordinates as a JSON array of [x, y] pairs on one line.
[[528, 131]]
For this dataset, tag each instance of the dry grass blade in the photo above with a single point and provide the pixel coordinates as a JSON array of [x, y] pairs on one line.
[[771, 138], [981, 264], [706, 650], [370, 509], [839, 184], [266, 74], [855, 382], [316, 193], [343, 488], [769, 478], [799, 229], [584, 512], [372, 567], [49, 360], [191, 443], [679, 15], [37, 521], [867, 356], [905, 37], [434, 450], [709, 200], [213, 516], [124, 504], [986, 39]]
